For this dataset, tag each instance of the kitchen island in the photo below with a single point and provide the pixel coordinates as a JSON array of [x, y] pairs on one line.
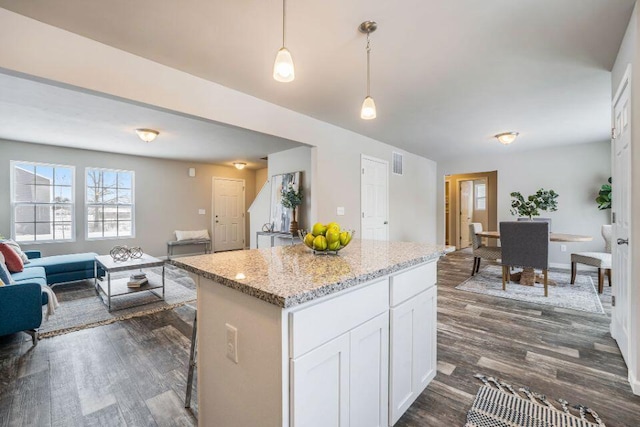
[[289, 338]]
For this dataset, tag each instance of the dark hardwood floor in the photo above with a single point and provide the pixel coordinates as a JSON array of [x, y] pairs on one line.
[[556, 352], [133, 373]]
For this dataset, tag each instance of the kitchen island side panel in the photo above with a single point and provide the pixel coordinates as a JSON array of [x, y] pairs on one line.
[[249, 393]]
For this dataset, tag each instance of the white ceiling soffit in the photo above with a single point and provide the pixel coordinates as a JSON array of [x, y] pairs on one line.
[[446, 75], [37, 112]]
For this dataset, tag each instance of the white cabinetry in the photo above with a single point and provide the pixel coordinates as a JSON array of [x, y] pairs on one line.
[[345, 381], [355, 358], [369, 393], [320, 392], [412, 350]]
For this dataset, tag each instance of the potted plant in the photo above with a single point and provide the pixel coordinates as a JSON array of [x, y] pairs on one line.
[[604, 196], [291, 199], [542, 200]]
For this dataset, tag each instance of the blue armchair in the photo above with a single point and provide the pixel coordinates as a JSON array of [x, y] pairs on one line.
[[21, 303]]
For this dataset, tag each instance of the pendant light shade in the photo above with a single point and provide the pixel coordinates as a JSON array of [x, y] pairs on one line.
[[283, 70], [368, 111]]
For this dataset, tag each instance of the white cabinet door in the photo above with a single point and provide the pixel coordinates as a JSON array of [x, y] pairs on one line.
[[369, 369], [320, 386], [413, 351], [424, 339]]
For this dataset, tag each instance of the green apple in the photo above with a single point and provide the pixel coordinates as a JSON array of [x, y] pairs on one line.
[[320, 243], [308, 240], [334, 246], [319, 229], [333, 225], [345, 238], [332, 236]]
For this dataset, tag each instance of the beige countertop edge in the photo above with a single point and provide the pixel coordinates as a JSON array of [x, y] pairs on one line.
[[309, 295]]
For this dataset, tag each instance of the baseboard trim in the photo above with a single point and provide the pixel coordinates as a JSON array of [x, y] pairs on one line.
[[634, 382]]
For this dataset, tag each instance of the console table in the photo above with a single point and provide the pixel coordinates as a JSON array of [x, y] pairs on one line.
[[273, 235]]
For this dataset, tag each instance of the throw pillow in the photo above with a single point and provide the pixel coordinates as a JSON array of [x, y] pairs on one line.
[[16, 247], [5, 276], [192, 235], [11, 258]]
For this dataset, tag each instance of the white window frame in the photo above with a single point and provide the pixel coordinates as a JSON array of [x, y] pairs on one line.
[[476, 197], [87, 205], [14, 204]]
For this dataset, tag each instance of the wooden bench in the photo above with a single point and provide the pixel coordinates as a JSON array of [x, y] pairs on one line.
[[206, 243]]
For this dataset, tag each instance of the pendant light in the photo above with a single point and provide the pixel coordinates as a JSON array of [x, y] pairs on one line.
[[283, 70], [368, 110]]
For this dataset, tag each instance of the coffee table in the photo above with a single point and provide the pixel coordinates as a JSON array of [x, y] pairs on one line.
[[118, 287]]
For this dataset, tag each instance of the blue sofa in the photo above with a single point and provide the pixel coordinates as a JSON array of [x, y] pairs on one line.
[[21, 303]]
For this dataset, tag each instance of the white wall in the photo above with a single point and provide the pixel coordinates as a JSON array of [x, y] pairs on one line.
[[261, 178], [294, 160], [574, 172], [628, 55], [166, 198], [50, 53]]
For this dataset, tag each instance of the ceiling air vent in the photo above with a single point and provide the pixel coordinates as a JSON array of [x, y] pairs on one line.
[[397, 163]]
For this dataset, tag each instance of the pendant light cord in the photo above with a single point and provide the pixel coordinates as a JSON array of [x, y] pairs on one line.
[[368, 66], [283, 18]]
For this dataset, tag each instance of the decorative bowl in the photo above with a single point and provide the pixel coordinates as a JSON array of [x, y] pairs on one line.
[[303, 233]]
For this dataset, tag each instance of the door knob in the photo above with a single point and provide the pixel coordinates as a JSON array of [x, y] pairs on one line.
[[623, 241], [216, 221], [386, 222]]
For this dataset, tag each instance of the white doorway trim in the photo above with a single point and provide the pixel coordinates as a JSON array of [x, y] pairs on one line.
[[213, 210], [363, 159]]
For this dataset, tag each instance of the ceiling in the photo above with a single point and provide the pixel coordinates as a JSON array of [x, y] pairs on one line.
[[446, 75], [43, 113]]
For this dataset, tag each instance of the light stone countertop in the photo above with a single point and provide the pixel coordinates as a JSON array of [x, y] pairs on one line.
[[290, 275]]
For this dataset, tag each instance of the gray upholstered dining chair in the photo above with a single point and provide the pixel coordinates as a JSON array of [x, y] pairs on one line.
[[601, 260], [525, 244], [479, 249]]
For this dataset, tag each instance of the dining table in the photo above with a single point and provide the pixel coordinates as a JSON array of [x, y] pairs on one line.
[[527, 275]]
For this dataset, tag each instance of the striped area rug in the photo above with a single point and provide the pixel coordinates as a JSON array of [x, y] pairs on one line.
[[504, 407]]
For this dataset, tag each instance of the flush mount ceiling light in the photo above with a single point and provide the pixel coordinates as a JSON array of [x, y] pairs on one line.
[[507, 138], [239, 165], [368, 110], [283, 70], [147, 135]]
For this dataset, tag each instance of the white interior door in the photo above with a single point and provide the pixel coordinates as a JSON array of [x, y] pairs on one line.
[[375, 199], [228, 214], [621, 206], [466, 212]]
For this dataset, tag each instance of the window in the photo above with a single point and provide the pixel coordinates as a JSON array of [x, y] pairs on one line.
[[109, 203], [42, 202], [481, 196]]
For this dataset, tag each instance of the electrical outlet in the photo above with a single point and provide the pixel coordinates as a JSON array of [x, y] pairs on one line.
[[202, 212], [232, 343], [563, 248], [340, 211]]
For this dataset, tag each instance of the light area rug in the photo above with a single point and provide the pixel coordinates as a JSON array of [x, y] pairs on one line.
[[81, 308], [581, 296]]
